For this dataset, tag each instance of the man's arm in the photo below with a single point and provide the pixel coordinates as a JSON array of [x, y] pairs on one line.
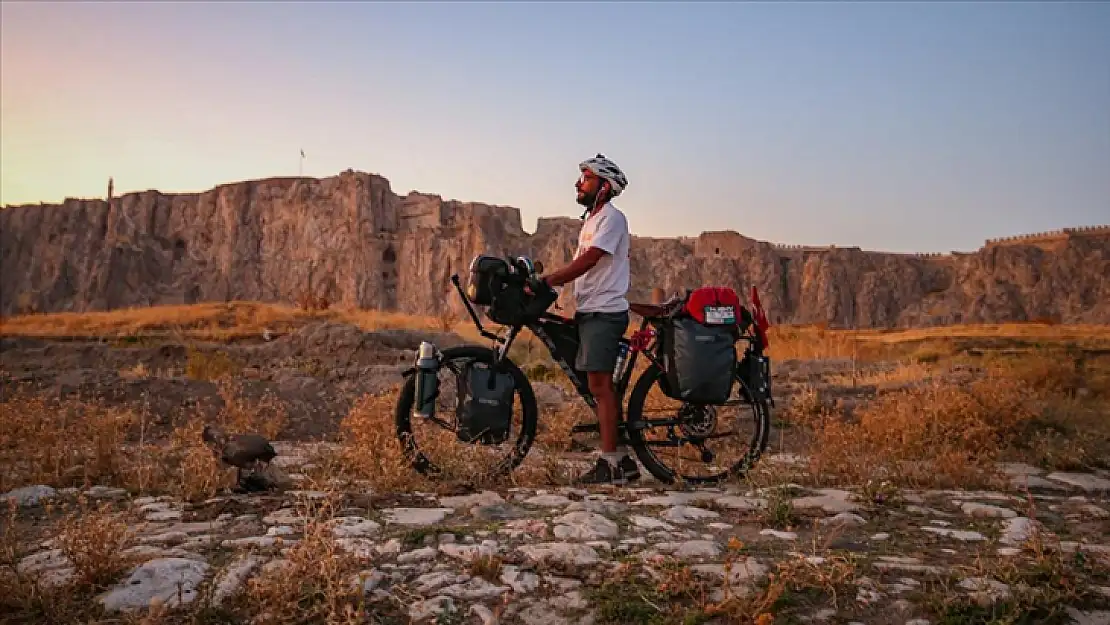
[[608, 236], [579, 266]]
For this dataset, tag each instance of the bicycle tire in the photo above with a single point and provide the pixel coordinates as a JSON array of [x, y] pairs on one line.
[[527, 436], [649, 378]]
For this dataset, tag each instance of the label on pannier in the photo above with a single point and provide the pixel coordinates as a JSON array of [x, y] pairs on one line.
[[713, 305], [720, 315]]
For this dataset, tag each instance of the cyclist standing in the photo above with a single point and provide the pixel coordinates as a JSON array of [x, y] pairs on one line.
[[601, 276]]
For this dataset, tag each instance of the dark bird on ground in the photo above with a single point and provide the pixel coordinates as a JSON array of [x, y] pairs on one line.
[[242, 451]]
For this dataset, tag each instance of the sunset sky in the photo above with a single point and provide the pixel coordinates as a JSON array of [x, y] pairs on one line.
[[892, 126]]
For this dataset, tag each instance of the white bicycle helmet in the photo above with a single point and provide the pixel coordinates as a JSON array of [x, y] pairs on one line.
[[607, 170]]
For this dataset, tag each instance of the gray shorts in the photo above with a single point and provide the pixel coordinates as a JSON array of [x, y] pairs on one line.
[[598, 337]]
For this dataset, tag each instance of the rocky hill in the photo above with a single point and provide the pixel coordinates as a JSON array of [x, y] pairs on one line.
[[351, 241]]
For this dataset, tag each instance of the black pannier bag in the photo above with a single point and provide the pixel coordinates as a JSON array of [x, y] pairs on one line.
[[485, 412], [565, 337], [698, 348], [487, 279], [755, 371]]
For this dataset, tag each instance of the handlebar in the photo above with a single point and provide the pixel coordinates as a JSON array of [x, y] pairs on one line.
[[526, 266]]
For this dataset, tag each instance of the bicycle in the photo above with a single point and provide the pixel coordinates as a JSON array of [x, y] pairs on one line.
[[694, 425]]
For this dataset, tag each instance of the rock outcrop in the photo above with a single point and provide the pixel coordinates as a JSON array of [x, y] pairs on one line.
[[351, 241]]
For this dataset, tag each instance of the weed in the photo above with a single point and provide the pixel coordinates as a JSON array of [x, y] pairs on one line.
[[487, 567], [779, 512], [210, 366], [92, 539], [315, 581]]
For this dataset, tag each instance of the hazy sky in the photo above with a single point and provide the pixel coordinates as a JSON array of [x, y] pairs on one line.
[[894, 126]]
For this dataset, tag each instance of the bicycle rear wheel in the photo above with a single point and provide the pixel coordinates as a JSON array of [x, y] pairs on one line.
[[690, 433]]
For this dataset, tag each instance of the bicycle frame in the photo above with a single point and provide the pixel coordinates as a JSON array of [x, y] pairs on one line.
[[635, 347], [641, 341]]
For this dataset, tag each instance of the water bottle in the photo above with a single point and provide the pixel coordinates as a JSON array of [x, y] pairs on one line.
[[427, 380], [622, 354]]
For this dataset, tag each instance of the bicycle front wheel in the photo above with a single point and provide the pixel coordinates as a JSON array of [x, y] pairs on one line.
[[437, 437]]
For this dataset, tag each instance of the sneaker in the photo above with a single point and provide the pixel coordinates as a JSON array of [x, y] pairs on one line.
[[630, 468], [603, 473]]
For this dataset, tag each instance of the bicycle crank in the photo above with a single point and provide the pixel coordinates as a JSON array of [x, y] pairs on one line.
[[707, 455]]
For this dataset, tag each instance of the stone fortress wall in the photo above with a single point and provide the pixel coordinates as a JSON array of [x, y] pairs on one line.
[[731, 244], [1051, 238], [781, 247]]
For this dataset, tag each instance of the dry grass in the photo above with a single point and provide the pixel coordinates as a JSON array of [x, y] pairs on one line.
[[664, 591], [238, 320], [369, 453], [926, 344], [211, 365], [206, 322], [1042, 404], [1041, 584], [932, 428], [43, 441], [64, 443], [905, 435], [1031, 330], [316, 581], [90, 538]]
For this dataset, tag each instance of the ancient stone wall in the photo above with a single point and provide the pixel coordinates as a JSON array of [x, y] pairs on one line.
[[350, 241], [1051, 238]]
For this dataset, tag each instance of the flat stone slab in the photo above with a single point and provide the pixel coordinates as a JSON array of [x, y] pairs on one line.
[[981, 510], [170, 581], [418, 517], [28, 495], [1086, 481], [687, 514], [547, 501], [830, 500], [572, 554], [963, 535], [354, 527], [484, 498]]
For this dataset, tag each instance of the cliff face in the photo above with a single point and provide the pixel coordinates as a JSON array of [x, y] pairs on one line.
[[350, 240]]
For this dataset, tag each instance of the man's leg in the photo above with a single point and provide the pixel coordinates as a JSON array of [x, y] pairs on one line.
[[601, 386], [598, 337]]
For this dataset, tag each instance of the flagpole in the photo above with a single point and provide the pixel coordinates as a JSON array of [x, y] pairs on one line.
[[300, 165]]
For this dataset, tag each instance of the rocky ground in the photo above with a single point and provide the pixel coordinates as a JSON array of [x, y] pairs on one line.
[[569, 555], [775, 548], [316, 372]]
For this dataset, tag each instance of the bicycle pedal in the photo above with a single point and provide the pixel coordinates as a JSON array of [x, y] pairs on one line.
[[579, 446], [582, 428]]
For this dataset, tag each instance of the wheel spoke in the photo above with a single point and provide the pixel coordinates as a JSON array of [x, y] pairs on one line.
[[684, 426]]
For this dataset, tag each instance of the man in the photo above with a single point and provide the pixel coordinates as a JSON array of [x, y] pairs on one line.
[[600, 272]]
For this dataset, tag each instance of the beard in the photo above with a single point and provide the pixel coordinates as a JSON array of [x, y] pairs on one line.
[[587, 199]]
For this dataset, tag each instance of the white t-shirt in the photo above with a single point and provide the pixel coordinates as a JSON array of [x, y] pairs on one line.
[[605, 286]]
